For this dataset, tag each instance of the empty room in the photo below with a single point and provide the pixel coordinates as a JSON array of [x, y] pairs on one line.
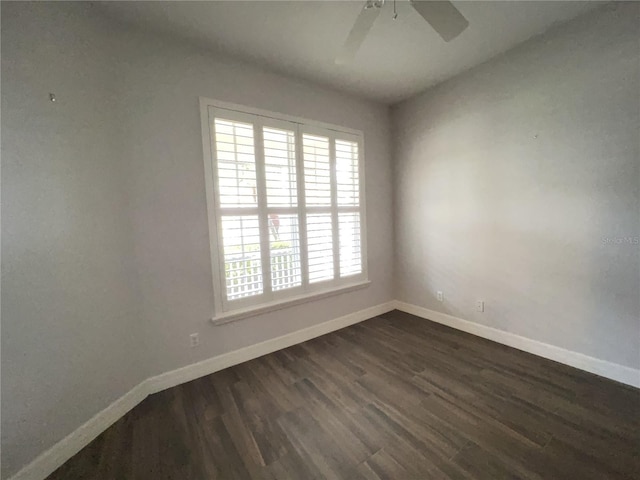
[[358, 240]]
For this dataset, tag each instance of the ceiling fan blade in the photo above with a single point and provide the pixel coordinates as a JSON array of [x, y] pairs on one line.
[[443, 17], [358, 32]]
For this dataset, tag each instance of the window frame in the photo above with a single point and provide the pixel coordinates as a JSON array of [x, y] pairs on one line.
[[230, 310]]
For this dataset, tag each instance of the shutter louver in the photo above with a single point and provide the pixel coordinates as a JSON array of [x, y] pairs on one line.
[[242, 260], [347, 176], [236, 164], [284, 248], [320, 247], [350, 248], [280, 167], [317, 170]]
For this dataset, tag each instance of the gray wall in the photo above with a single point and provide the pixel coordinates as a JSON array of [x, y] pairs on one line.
[[70, 323], [508, 180], [161, 81], [106, 266], [518, 183]]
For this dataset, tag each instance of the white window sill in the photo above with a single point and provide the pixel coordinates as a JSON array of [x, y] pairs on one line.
[[228, 317]]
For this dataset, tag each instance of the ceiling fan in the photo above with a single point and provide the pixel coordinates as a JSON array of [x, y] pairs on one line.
[[443, 17]]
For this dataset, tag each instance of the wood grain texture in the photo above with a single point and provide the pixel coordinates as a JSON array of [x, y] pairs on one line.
[[395, 397]]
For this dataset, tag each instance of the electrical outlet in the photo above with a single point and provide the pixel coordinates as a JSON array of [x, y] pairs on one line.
[[194, 338], [480, 305], [440, 296]]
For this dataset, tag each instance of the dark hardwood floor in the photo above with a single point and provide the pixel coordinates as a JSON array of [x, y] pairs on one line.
[[395, 397]]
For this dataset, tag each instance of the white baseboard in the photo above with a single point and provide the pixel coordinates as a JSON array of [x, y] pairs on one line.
[[220, 362], [613, 371], [49, 461], [45, 464]]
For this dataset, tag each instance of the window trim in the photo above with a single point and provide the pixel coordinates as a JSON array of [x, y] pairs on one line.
[[306, 292], [240, 313]]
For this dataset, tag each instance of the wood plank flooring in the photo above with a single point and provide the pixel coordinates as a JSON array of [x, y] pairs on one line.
[[395, 397]]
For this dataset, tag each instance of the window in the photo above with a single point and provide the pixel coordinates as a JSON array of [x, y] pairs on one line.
[[286, 207]]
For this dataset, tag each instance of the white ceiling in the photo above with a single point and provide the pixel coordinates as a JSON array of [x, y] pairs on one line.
[[398, 59]]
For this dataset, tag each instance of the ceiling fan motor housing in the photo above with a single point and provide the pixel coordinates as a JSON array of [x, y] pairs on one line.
[[374, 4]]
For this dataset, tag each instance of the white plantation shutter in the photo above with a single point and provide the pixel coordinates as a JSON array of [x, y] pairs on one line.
[[285, 256], [237, 188], [350, 249], [281, 193], [236, 164], [317, 170], [280, 167], [286, 207], [320, 247], [242, 260], [348, 196], [347, 173]]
